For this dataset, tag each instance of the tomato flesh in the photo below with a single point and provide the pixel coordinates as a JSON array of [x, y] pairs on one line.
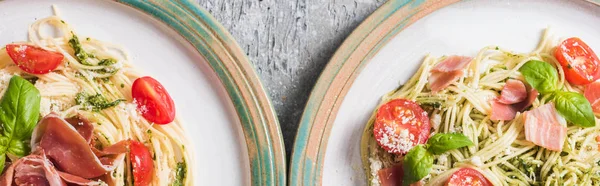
[[33, 59], [153, 100], [141, 161], [580, 63], [400, 125], [468, 177]]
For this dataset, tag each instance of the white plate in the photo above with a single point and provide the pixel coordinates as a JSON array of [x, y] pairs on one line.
[[201, 99], [462, 28]]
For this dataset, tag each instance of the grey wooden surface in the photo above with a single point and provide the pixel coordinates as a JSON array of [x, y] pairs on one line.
[[290, 42]]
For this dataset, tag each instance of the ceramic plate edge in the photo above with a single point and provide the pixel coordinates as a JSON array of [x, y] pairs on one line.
[[335, 81], [259, 122]]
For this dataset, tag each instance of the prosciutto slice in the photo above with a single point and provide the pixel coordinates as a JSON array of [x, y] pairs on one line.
[[447, 72], [391, 176], [592, 94], [545, 127], [56, 136], [503, 111], [34, 169], [514, 91], [37, 169]]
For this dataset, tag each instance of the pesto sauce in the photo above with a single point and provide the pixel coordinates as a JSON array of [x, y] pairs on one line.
[[83, 57], [97, 102], [180, 174], [80, 54]]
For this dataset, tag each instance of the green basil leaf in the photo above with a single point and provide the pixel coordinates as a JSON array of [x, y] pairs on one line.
[[440, 143], [2, 162], [417, 164], [19, 113], [575, 108], [19, 148], [540, 75]]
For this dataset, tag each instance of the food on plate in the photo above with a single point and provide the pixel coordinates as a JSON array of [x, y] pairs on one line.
[[74, 111], [495, 118]]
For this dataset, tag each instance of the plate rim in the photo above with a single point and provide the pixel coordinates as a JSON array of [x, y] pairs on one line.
[[222, 53], [338, 76]]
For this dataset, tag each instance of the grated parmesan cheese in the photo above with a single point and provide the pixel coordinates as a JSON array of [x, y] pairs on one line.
[[436, 120], [131, 110], [376, 165], [443, 159], [476, 160], [4, 79], [402, 142]]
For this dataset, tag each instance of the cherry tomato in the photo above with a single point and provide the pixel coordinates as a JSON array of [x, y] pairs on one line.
[[580, 63], [153, 101], [33, 59], [468, 177], [141, 161], [400, 125], [592, 93]]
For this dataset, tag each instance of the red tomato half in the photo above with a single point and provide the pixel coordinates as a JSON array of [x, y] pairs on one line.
[[468, 177], [33, 59], [580, 63], [400, 125], [153, 101], [592, 94], [141, 161]]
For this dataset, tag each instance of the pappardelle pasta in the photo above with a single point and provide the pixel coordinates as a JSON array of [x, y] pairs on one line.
[[74, 111], [497, 118]]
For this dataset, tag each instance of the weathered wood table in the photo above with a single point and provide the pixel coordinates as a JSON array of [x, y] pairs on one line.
[[290, 42]]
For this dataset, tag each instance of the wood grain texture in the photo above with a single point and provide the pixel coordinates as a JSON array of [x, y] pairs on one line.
[[290, 42]]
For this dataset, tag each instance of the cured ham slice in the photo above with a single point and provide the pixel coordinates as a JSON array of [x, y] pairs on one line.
[[453, 63], [513, 92], [391, 176], [592, 93], [545, 127], [447, 72], [503, 111], [55, 136], [82, 126], [34, 169], [37, 169]]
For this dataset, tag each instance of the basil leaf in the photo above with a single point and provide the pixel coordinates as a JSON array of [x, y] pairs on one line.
[[440, 143], [540, 75], [575, 108], [19, 113], [2, 162], [417, 164]]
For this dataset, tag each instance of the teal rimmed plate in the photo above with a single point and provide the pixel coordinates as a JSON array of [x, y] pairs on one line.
[[387, 48], [226, 112]]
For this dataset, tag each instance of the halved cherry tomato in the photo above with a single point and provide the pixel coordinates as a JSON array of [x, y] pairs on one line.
[[400, 125], [153, 101], [592, 93], [33, 59], [580, 63], [141, 161], [392, 176], [468, 177]]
